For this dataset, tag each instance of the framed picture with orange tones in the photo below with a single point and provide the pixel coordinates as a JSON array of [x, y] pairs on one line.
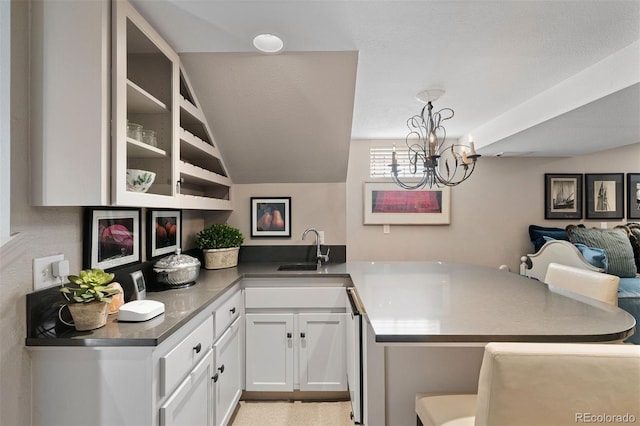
[[271, 217], [164, 232]]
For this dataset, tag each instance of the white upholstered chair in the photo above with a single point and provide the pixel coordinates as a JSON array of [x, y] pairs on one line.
[[597, 285], [544, 384]]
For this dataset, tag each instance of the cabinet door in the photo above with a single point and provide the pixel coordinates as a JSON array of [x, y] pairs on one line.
[[192, 402], [145, 82], [69, 115], [322, 352], [269, 352], [229, 370]]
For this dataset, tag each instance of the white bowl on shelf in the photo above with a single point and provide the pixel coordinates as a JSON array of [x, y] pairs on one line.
[[139, 180]]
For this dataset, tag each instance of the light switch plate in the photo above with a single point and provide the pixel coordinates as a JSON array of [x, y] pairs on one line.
[[43, 273]]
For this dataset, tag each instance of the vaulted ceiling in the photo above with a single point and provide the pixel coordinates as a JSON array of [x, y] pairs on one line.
[[537, 78]]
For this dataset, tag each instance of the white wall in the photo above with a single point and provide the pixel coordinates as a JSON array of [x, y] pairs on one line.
[[41, 232], [490, 213]]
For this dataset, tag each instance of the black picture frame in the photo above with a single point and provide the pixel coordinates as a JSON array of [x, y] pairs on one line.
[[270, 217], [633, 196], [111, 237], [563, 196], [164, 232], [604, 195]]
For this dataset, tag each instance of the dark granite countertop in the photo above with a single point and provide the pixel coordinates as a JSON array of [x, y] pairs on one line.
[[405, 302]]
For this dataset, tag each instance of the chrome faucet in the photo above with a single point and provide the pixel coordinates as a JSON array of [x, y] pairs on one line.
[[319, 256]]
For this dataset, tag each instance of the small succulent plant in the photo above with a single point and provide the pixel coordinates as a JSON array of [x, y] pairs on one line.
[[92, 285]]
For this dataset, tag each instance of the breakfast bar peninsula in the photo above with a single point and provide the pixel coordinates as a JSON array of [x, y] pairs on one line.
[[424, 327], [427, 324]]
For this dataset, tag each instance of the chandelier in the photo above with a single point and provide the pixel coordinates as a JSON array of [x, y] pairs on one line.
[[431, 161]]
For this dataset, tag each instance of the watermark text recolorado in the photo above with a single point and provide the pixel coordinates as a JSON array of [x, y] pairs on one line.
[[605, 418]]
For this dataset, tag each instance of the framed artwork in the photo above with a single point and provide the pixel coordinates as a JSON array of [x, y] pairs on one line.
[[270, 217], [633, 196], [164, 232], [562, 196], [604, 195], [111, 237], [387, 204]]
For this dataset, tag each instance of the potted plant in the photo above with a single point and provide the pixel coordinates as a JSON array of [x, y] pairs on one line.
[[220, 244], [89, 301]]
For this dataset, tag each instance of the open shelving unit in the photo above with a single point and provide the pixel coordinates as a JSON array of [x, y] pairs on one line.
[[204, 181]]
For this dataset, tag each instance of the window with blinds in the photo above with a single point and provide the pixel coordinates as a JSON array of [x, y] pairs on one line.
[[380, 162]]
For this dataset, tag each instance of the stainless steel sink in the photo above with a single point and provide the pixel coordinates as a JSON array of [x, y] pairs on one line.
[[298, 267]]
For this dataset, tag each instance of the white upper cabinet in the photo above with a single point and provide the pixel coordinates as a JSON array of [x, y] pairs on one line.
[[129, 76], [145, 81], [70, 102]]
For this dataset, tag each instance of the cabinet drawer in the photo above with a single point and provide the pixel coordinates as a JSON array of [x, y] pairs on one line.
[[228, 312], [295, 297], [176, 364]]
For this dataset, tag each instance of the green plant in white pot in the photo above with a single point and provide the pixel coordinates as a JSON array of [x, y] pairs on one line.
[[220, 244], [89, 300]]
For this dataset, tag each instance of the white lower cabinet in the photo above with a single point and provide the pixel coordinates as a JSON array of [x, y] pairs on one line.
[[192, 401], [322, 354], [287, 351], [193, 377], [228, 375], [269, 352]]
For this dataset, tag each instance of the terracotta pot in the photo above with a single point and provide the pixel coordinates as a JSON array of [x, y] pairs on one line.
[[221, 258], [89, 316], [117, 300]]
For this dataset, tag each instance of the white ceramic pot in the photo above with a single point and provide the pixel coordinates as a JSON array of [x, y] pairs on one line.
[[221, 258]]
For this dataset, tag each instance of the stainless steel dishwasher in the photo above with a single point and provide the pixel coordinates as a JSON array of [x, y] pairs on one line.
[[354, 354]]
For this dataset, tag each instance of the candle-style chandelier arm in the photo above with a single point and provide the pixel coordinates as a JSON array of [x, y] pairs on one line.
[[429, 159]]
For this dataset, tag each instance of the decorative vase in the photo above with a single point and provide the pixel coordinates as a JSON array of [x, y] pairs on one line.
[[221, 258], [117, 300], [89, 316]]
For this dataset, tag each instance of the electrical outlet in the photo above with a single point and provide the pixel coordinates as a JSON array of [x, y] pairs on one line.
[[321, 237], [386, 229], [43, 273]]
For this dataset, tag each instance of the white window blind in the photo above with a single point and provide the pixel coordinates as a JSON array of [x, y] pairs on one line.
[[380, 162]]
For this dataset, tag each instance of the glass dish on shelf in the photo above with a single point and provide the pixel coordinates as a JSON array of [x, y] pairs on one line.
[[134, 131], [149, 137]]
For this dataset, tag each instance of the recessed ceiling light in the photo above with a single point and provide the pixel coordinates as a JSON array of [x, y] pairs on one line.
[[268, 43]]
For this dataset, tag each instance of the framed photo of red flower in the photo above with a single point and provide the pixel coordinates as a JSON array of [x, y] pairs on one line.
[[111, 237]]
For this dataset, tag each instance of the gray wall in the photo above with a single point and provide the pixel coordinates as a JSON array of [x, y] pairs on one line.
[[490, 212], [489, 217], [319, 205]]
